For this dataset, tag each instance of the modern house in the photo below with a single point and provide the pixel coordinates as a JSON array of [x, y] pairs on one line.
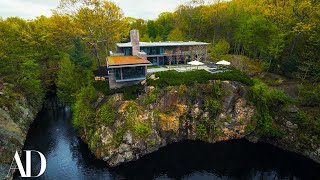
[[164, 53], [129, 65]]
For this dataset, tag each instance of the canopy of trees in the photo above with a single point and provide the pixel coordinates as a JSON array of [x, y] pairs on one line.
[[283, 33]]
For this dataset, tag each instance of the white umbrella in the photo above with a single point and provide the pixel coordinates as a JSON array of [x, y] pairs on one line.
[[196, 63], [223, 62]]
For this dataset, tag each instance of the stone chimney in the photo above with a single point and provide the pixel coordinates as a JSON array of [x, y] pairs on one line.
[[134, 37]]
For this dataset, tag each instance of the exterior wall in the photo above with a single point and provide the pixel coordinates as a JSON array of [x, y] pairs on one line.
[[127, 76], [171, 55]]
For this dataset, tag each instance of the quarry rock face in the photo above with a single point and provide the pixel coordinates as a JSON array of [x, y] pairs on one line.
[[14, 126], [174, 116]]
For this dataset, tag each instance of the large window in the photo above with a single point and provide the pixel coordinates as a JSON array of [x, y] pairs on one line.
[[131, 73], [128, 51], [152, 50], [153, 60]]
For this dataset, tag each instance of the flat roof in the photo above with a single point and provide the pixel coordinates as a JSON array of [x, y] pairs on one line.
[[126, 60], [172, 43]]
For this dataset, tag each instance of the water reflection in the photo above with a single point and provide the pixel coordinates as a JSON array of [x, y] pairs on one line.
[[69, 158]]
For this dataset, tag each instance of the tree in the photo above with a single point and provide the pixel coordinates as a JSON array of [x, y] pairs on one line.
[[152, 30], [164, 24], [255, 35], [176, 35], [99, 23], [78, 55], [220, 48], [70, 80]]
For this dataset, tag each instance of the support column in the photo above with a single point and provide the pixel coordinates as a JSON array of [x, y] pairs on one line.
[[121, 74], [146, 71]]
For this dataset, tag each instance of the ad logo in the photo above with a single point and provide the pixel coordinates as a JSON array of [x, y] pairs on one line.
[[27, 172]]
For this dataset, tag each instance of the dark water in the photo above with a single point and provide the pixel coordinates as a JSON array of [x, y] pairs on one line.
[[69, 158]]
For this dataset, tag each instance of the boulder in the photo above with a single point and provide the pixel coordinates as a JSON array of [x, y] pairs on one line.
[[127, 138]]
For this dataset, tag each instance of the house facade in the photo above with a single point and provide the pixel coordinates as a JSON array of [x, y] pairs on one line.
[[164, 53], [129, 65]]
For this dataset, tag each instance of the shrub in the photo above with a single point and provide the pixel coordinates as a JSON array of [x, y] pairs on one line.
[[309, 94], [265, 100], [152, 96], [132, 107], [249, 128], [217, 92], [83, 113], [220, 48], [217, 131], [152, 142], [303, 119], [107, 114], [118, 137], [129, 93], [182, 90], [174, 78], [308, 122], [142, 130], [168, 88], [201, 132], [212, 104]]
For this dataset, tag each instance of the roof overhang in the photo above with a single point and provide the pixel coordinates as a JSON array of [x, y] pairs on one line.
[[126, 61], [128, 65], [164, 44]]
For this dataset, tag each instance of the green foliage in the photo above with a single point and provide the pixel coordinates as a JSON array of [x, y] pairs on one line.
[[118, 137], [94, 140], [142, 130], [152, 96], [182, 90], [78, 55], [308, 123], [284, 34], [29, 82], [220, 48], [256, 34], [129, 93], [174, 78], [176, 35], [152, 142], [83, 113], [277, 97], [201, 132], [212, 104], [229, 118], [99, 23], [309, 94], [250, 128], [266, 100], [217, 131], [70, 80], [132, 107], [107, 114]]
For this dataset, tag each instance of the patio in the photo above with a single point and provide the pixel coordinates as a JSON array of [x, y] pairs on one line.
[[210, 67]]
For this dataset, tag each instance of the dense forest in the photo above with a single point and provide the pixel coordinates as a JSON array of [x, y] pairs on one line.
[[58, 53]]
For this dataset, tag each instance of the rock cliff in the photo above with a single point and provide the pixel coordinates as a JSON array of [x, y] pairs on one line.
[[16, 115], [216, 111]]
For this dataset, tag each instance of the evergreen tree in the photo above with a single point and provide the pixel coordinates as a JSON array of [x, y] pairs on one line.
[[78, 55]]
